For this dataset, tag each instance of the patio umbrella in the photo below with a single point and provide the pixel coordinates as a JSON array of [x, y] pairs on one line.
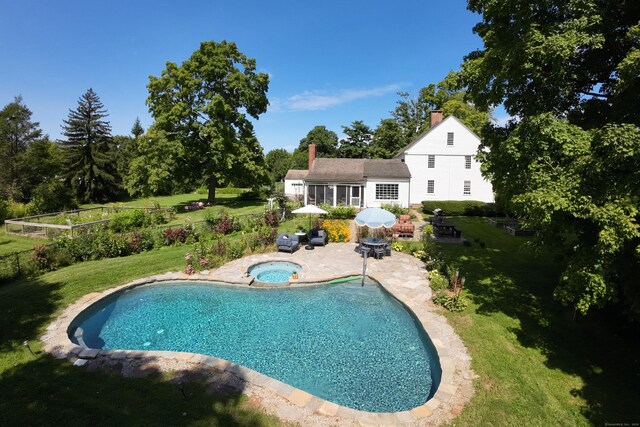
[[375, 218], [311, 210]]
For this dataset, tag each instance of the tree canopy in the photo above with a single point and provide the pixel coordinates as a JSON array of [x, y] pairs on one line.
[[203, 105], [17, 134], [568, 166], [412, 114], [356, 144], [326, 146], [278, 162]]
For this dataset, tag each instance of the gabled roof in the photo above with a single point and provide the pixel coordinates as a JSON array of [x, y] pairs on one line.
[[425, 133], [324, 169], [296, 174]]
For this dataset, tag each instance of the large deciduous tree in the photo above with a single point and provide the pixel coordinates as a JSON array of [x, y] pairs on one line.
[[89, 164], [204, 105], [387, 140], [326, 142], [356, 144], [569, 165], [412, 114], [278, 162]]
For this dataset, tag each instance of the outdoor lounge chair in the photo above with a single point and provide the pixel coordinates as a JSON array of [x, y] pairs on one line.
[[404, 227], [287, 242], [317, 237]]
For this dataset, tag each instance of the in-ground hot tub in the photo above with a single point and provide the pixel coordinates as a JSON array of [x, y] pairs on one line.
[[274, 272]]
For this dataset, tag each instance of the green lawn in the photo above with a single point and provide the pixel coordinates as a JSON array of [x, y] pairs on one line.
[[39, 390], [229, 202], [536, 365], [10, 243]]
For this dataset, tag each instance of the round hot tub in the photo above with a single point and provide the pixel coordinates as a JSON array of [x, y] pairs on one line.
[[274, 272]]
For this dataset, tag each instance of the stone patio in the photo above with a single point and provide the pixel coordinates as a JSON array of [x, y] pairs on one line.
[[403, 276]]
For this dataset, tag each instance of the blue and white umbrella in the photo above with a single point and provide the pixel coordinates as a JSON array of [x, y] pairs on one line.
[[375, 218]]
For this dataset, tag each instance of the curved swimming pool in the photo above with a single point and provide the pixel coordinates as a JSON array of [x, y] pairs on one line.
[[352, 345]]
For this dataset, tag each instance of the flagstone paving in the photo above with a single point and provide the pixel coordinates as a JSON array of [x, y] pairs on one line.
[[404, 276]]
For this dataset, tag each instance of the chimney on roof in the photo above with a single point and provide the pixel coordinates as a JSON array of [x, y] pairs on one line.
[[312, 154], [435, 117]]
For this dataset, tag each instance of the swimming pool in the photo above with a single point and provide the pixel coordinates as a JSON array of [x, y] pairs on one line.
[[352, 345]]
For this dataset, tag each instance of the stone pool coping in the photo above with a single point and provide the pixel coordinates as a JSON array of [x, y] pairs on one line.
[[403, 276]]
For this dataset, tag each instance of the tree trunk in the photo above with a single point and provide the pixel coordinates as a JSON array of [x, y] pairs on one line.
[[212, 183]]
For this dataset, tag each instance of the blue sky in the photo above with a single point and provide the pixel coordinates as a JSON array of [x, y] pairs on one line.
[[330, 62]]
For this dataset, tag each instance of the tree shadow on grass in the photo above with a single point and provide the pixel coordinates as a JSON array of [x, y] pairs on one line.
[[26, 306], [45, 391], [520, 285]]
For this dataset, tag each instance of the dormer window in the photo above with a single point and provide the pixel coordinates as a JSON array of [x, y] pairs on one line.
[[449, 138]]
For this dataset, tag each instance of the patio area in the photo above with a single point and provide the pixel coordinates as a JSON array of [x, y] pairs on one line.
[[402, 275]]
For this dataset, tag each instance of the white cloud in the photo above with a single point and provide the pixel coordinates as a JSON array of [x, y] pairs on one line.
[[321, 100], [502, 121]]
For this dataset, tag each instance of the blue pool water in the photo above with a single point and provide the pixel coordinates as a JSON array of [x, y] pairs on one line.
[[274, 271], [352, 345]]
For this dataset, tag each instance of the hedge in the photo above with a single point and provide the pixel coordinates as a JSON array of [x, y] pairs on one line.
[[461, 207]]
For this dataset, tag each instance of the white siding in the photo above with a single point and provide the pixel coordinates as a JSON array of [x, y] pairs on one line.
[[294, 188], [370, 200], [449, 173]]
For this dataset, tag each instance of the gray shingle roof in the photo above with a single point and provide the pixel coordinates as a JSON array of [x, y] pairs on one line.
[[296, 174], [324, 169]]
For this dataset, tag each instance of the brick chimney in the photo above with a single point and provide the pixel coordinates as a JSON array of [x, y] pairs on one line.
[[435, 117], [312, 154]]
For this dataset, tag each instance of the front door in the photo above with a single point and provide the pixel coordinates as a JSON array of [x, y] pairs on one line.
[[355, 196]]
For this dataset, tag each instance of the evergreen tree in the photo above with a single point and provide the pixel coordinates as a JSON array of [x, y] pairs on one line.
[[89, 165], [356, 144], [17, 133], [137, 129]]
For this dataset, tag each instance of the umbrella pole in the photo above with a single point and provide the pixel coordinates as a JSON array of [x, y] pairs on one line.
[[364, 265]]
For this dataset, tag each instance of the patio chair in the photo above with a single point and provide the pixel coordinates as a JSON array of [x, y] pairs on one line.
[[379, 251], [317, 237], [287, 242]]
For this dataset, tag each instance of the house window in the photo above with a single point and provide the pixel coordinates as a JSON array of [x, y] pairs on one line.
[[467, 188], [386, 191], [449, 138], [467, 162], [431, 161], [431, 185]]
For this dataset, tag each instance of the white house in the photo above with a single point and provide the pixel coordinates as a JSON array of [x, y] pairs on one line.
[[438, 165], [443, 164]]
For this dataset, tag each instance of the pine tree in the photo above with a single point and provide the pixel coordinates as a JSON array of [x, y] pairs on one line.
[[89, 162], [17, 133], [137, 130]]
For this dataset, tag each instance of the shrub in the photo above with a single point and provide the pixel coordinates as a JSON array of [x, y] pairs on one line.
[[49, 197], [271, 218], [235, 250], [222, 222], [266, 235], [395, 209], [461, 207], [339, 212], [454, 302], [437, 281], [41, 258], [175, 235], [128, 220], [337, 230]]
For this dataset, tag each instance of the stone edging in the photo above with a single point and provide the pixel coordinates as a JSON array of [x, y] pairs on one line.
[[454, 391]]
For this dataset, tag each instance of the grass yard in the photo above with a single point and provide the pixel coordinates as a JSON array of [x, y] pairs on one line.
[[536, 365], [224, 201], [39, 390], [10, 243]]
